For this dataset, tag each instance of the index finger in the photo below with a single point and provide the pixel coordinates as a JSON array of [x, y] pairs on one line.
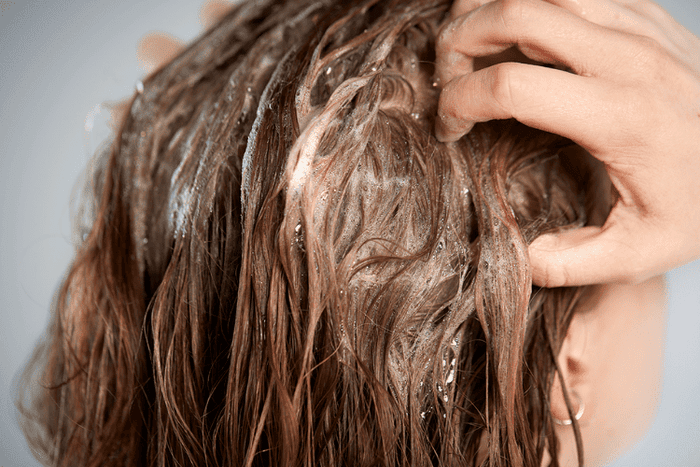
[[542, 31], [579, 108]]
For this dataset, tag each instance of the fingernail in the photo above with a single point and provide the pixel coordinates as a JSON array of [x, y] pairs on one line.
[[441, 133], [444, 134]]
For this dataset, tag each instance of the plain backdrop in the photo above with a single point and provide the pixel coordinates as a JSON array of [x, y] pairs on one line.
[[58, 61]]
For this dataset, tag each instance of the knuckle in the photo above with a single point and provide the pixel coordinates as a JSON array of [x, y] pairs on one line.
[[450, 112], [442, 42], [514, 14], [548, 275], [650, 57], [634, 273], [447, 110], [504, 85], [635, 105], [639, 118], [461, 7], [447, 37]]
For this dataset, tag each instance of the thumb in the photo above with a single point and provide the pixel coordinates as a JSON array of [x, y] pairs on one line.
[[213, 11], [592, 255], [156, 49]]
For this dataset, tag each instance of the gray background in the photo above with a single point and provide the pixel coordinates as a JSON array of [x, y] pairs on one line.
[[60, 59]]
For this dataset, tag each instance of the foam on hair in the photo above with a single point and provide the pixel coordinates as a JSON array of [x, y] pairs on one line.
[[286, 267]]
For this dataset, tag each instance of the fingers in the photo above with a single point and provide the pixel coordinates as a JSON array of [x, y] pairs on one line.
[[542, 31], [572, 106], [649, 10], [212, 12], [157, 48], [593, 255], [583, 108], [117, 112], [641, 17], [628, 17], [462, 7], [578, 34], [628, 248], [631, 101]]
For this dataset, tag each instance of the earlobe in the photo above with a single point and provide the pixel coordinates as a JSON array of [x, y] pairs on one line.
[[576, 394], [578, 408]]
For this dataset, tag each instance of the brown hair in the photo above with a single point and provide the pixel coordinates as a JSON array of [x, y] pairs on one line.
[[283, 266]]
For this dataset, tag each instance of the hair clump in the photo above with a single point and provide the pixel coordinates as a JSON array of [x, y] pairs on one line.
[[285, 267]]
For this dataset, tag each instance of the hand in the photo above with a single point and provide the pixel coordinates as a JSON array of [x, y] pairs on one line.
[[630, 95], [156, 49]]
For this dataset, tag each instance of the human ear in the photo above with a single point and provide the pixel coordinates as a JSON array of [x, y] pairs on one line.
[[610, 361], [574, 371], [574, 380]]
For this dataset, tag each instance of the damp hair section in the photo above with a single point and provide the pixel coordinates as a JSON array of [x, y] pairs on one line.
[[283, 266]]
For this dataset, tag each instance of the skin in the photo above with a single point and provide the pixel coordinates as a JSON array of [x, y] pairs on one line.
[[612, 356], [612, 360], [157, 48], [632, 99], [624, 84]]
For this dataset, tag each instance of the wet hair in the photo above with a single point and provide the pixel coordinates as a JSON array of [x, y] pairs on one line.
[[280, 265]]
